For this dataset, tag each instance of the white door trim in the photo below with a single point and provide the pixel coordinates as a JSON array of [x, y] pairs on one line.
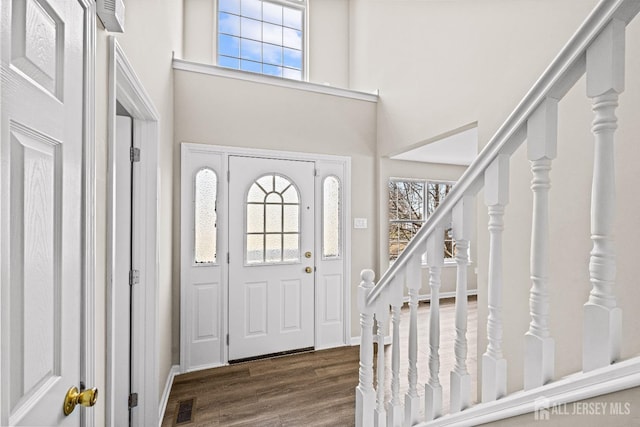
[[224, 152], [88, 320], [126, 88]]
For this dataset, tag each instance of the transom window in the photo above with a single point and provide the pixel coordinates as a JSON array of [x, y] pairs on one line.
[[408, 212], [262, 36], [272, 221]]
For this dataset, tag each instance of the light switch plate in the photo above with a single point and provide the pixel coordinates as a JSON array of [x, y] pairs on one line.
[[359, 222]]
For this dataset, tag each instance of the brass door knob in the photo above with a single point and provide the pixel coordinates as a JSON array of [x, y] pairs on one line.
[[75, 397], [307, 254], [308, 270]]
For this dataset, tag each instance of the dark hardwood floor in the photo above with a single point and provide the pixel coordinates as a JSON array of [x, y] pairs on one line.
[[307, 389]]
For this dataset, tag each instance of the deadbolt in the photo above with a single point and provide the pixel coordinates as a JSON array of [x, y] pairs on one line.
[[74, 397], [308, 270], [307, 254]]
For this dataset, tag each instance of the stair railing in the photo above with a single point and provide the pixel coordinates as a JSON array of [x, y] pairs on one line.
[[597, 49]]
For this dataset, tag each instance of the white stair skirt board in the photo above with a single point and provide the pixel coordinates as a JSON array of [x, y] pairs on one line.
[[443, 295], [573, 388]]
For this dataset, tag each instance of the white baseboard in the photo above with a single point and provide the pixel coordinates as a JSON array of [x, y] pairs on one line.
[[443, 295], [387, 339], [175, 370], [356, 340]]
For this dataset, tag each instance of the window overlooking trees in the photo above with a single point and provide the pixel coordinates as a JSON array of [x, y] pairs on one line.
[[261, 36], [410, 203]]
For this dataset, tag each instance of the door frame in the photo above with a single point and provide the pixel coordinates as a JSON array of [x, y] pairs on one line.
[[125, 87], [88, 310], [223, 153]]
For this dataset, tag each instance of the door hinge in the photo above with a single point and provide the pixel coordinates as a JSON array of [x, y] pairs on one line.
[[134, 277], [228, 175], [228, 258], [315, 172], [134, 154], [227, 339], [133, 400]]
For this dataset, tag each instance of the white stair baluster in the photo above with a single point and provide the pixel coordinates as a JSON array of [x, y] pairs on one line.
[[395, 411], [494, 366], [539, 350], [602, 317], [382, 318], [435, 261], [365, 394], [412, 400], [462, 225]]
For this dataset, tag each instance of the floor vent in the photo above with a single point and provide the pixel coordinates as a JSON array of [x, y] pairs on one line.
[[185, 411]]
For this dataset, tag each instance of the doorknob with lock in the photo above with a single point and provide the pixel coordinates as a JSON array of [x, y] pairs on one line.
[[75, 397]]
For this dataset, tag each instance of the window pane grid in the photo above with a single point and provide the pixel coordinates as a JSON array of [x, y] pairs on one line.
[[261, 37], [272, 225]]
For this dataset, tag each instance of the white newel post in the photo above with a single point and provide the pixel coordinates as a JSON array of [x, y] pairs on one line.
[[412, 400], [382, 317], [494, 366], [542, 136], [395, 411], [462, 223], [602, 317], [365, 394], [435, 261]]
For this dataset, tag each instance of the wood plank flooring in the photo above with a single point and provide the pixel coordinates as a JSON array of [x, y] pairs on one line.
[[308, 389]]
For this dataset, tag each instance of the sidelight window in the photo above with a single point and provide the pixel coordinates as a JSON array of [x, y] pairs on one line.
[[331, 218], [206, 187]]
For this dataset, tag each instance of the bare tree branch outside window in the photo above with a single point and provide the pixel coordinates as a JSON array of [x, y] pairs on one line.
[[408, 212]]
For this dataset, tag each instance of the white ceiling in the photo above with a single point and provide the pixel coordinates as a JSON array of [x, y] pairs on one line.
[[459, 147]]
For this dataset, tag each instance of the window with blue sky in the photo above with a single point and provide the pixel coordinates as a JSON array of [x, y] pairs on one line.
[[262, 36]]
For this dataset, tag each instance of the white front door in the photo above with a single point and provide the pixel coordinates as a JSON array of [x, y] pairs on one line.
[[41, 209], [271, 264]]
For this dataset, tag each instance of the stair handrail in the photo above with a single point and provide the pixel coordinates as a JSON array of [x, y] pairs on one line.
[[557, 79]]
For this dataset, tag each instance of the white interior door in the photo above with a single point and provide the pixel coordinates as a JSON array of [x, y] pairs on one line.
[[41, 214], [271, 264]]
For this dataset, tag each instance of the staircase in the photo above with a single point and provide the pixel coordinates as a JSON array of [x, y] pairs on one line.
[[597, 50]]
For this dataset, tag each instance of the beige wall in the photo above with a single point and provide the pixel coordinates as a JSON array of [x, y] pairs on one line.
[[440, 65], [153, 31], [224, 111]]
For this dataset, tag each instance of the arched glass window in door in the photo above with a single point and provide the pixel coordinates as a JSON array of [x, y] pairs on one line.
[[272, 221], [206, 188], [331, 218]]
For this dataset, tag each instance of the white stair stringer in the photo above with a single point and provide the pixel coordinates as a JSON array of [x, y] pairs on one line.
[[573, 388]]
